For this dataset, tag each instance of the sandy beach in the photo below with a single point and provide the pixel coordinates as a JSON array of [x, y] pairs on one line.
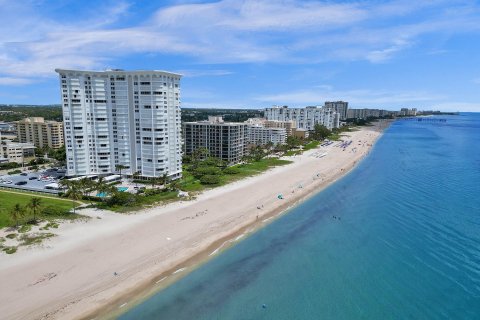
[[100, 266]]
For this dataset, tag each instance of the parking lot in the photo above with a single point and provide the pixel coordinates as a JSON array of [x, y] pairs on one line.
[[35, 181]]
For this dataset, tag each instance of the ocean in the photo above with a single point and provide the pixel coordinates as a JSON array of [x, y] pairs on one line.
[[397, 238]]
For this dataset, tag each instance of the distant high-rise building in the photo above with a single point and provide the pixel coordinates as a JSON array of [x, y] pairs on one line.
[[305, 118], [223, 140], [40, 132], [339, 106], [122, 120]]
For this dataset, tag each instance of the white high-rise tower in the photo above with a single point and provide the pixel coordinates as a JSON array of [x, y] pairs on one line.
[[122, 119]]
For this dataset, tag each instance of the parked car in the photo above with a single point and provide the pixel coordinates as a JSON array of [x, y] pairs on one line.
[[20, 183], [24, 174], [33, 178]]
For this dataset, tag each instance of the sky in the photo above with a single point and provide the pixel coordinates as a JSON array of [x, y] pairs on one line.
[[253, 53]]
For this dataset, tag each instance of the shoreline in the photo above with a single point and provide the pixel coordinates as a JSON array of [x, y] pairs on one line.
[[157, 267], [169, 277]]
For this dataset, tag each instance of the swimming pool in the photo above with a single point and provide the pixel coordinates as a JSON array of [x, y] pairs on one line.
[[104, 194]]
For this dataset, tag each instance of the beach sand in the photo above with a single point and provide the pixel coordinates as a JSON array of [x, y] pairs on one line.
[[103, 265]]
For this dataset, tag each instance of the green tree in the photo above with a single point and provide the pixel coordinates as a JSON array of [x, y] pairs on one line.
[[320, 132], [34, 205], [173, 184], [257, 153], [198, 156], [293, 142], [269, 147], [86, 186], [120, 167], [103, 188], [73, 192], [16, 213]]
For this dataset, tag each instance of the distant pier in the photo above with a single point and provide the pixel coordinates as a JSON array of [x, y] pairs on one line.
[[424, 119]]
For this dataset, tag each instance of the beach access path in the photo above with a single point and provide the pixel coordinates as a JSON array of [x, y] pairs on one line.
[[102, 264]]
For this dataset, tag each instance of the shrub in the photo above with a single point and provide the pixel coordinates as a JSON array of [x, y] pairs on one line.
[[210, 179], [25, 228], [122, 199], [53, 211], [14, 172], [10, 250], [232, 170], [9, 165], [151, 192], [207, 170]]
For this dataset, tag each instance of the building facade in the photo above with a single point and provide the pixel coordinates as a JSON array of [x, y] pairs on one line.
[[16, 151], [122, 118], [305, 118], [223, 140], [259, 135], [40, 132], [339, 106], [289, 126]]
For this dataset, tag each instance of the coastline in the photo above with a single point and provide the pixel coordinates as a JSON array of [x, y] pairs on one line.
[[145, 272]]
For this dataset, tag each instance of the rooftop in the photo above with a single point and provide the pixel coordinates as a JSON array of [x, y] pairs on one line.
[[118, 71]]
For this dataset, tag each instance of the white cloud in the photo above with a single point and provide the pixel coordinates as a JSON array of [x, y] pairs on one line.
[[14, 81], [360, 98], [204, 73], [33, 44]]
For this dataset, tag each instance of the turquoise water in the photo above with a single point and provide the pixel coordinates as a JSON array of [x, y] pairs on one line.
[[406, 246], [104, 194]]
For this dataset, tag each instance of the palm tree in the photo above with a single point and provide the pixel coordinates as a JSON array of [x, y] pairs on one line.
[[102, 187], [86, 186], [34, 205], [16, 213], [119, 168], [74, 191]]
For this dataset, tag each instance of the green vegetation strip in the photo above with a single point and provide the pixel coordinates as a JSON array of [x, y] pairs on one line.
[[50, 208]]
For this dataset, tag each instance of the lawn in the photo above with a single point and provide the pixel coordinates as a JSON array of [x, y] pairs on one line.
[[58, 207], [311, 145]]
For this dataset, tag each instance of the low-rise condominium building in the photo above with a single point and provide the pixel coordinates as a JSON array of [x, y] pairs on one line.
[[223, 140]]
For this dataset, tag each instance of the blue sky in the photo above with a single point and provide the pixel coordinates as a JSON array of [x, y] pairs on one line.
[[253, 53]]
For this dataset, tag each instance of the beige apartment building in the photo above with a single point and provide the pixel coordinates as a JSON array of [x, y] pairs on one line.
[[289, 126], [40, 132]]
